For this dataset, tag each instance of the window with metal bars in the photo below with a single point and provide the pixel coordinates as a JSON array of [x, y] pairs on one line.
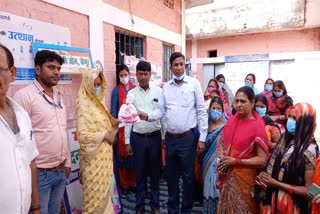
[[167, 51], [128, 45]]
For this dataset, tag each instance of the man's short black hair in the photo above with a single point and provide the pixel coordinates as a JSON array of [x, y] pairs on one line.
[[143, 66], [174, 56], [47, 56], [9, 55]]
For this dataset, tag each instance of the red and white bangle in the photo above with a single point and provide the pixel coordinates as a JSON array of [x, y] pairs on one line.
[[291, 190]]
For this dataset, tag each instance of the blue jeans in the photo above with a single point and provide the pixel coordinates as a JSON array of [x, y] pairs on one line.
[[51, 186]]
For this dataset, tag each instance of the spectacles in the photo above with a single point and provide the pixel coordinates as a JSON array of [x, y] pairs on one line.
[[4, 70]]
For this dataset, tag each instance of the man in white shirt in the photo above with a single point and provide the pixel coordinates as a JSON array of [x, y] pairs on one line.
[[182, 104], [19, 185], [146, 139]]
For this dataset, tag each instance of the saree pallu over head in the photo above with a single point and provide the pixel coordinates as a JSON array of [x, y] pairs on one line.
[[96, 161], [240, 138], [290, 160]]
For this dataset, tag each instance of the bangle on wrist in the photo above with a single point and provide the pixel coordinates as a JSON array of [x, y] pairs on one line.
[[291, 190], [238, 162]]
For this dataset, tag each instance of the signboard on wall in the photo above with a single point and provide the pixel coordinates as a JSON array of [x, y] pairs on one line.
[[18, 33], [73, 193], [74, 58], [156, 70]]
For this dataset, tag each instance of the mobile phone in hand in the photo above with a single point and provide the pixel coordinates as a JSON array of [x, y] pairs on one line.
[[314, 190]]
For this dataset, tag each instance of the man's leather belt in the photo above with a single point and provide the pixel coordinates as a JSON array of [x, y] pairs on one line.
[[180, 135], [60, 166], [148, 134]]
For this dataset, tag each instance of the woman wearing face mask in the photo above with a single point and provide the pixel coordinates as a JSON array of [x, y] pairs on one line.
[[249, 81], [228, 95], [210, 160], [279, 103], [212, 85], [273, 129], [292, 164], [268, 88], [96, 130], [244, 150], [123, 161]]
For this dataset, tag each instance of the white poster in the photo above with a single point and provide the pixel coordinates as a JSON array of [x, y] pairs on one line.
[[156, 70], [73, 194], [236, 73], [17, 33]]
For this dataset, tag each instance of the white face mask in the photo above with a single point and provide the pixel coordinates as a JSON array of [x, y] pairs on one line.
[[179, 78], [98, 90], [124, 80]]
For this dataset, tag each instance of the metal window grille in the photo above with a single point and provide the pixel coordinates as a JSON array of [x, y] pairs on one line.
[[128, 45], [167, 51]]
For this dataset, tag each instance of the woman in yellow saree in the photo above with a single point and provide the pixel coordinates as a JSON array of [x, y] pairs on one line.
[[96, 130]]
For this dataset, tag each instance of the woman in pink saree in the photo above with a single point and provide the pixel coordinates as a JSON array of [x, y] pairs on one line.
[[244, 149]]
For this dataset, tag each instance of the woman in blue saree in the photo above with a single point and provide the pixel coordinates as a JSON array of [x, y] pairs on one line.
[[210, 161]]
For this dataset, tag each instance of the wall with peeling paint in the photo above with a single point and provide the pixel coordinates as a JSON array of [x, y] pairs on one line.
[[223, 18]]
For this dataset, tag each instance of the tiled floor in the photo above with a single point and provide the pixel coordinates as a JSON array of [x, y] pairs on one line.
[[128, 202]]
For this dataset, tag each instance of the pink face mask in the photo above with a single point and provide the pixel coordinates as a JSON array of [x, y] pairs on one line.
[[211, 89]]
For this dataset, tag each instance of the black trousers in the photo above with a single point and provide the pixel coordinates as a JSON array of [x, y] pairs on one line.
[[180, 159], [147, 152]]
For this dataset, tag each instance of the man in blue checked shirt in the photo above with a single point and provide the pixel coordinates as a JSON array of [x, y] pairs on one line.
[[182, 105]]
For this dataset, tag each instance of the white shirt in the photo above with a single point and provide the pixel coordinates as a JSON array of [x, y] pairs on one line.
[[145, 101], [16, 153], [183, 106]]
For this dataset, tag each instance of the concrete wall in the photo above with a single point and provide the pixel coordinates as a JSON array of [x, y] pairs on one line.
[[153, 11], [226, 18], [276, 42]]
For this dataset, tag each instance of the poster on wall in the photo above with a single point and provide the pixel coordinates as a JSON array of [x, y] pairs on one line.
[[18, 33], [156, 70], [236, 73], [74, 58], [73, 192]]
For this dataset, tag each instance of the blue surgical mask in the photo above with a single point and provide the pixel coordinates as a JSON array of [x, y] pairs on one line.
[[249, 84], [221, 84], [98, 90], [291, 126], [268, 87], [179, 78], [278, 94], [261, 111], [215, 115]]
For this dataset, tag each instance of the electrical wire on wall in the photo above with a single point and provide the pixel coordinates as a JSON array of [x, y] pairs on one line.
[[131, 13]]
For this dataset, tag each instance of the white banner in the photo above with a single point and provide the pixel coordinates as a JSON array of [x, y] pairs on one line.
[[73, 194], [17, 33], [156, 70]]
